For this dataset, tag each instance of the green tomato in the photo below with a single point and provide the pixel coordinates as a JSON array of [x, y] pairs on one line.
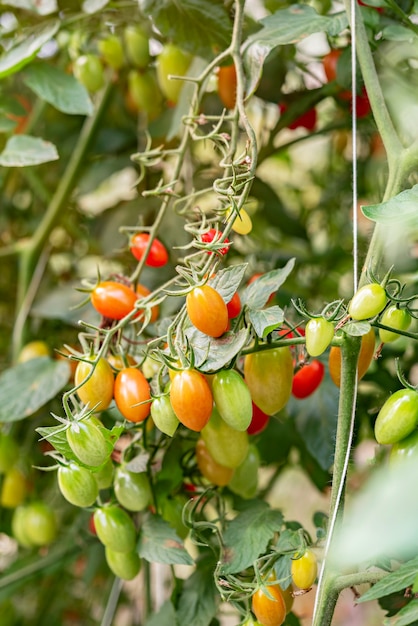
[[398, 417], [104, 475], [163, 415], [111, 50], [172, 512], [126, 565], [176, 62], [319, 333], [144, 93], [9, 452], [115, 528], [77, 484], [19, 527], [244, 481], [367, 302], [88, 70], [88, 442], [399, 319], [137, 46], [406, 448], [132, 489], [269, 376], [232, 399], [226, 445], [13, 488], [40, 524]]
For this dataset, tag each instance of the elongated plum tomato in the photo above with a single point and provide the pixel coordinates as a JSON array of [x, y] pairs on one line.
[[405, 449], [398, 319], [214, 235], [132, 489], [319, 333], [111, 51], [367, 302], [227, 85], [364, 359], [172, 61], [88, 442], [97, 391], [304, 570], [125, 565], [132, 394], [307, 379], [329, 63], [32, 350], [115, 528], [157, 256], [213, 471], [270, 611], [77, 484], [144, 95], [242, 224], [226, 445], [137, 46], [207, 310], [88, 70], [234, 306], [40, 523], [398, 417], [269, 375], [259, 421], [191, 399], [163, 415], [232, 399], [13, 488], [113, 300], [244, 482]]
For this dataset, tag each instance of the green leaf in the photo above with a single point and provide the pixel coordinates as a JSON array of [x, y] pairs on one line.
[[287, 26], [247, 536], [256, 295], [213, 354], [265, 321], [289, 541], [199, 26], [166, 616], [227, 281], [24, 150], [61, 90], [41, 8], [356, 329], [198, 601], [26, 387], [160, 543], [401, 209], [32, 41], [407, 615], [396, 32], [92, 6], [402, 578]]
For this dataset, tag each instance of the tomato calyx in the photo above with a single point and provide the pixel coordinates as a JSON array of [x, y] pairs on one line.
[[218, 244]]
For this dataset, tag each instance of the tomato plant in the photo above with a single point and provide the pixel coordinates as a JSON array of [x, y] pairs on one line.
[[77, 484], [115, 528], [269, 376], [113, 300], [307, 120], [137, 45], [367, 348], [9, 450], [97, 391], [38, 523], [307, 379], [132, 394], [232, 399], [157, 256], [259, 421], [207, 310], [244, 481], [213, 471], [125, 565], [88, 69], [398, 417], [227, 85], [367, 302], [32, 350], [304, 570], [270, 610], [191, 399], [163, 415], [330, 64], [111, 51], [399, 319], [144, 95], [214, 235], [172, 61], [234, 306], [88, 442], [407, 448], [225, 444], [14, 488], [132, 489], [319, 333]]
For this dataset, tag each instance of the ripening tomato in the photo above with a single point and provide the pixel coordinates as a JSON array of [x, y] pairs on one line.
[[117, 362], [329, 63], [172, 61], [213, 471], [269, 375], [398, 417], [227, 85], [113, 300], [132, 394], [406, 448], [367, 302], [215, 235], [259, 421], [97, 391], [125, 565], [111, 51], [136, 46], [399, 319], [319, 333], [307, 379], [163, 415], [88, 442], [288, 597], [232, 399], [40, 524], [191, 398], [143, 292], [157, 256], [132, 489], [115, 528], [234, 306], [304, 570], [269, 611], [226, 445], [88, 70], [364, 360], [242, 224], [32, 350], [144, 95], [244, 482], [13, 489], [207, 310], [77, 484], [9, 451]]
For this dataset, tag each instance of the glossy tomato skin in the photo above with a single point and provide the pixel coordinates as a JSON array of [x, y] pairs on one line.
[[234, 306], [14, 488], [132, 394], [40, 523], [319, 333], [398, 417], [9, 451], [207, 310], [365, 358], [97, 391], [125, 565], [307, 379], [329, 63], [144, 95], [132, 489], [226, 445], [163, 415], [304, 570], [88, 70], [269, 375], [405, 449], [32, 350], [399, 319], [214, 472], [244, 482], [157, 256], [227, 85], [77, 484], [111, 51], [306, 120], [88, 442], [172, 61], [232, 399], [269, 611], [367, 302], [191, 399], [113, 300], [136, 46], [259, 421], [115, 528], [215, 235], [242, 224]]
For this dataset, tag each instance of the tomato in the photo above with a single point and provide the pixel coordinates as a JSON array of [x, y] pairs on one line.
[[364, 360], [232, 399], [163, 415], [226, 445], [269, 375], [88, 70], [32, 350], [172, 512], [288, 597], [144, 93], [242, 224], [306, 120], [227, 85], [142, 292], [191, 398], [214, 472], [367, 302], [9, 450], [214, 235], [88, 442], [398, 417], [329, 63], [77, 484], [115, 528], [19, 528], [132, 394], [136, 46], [269, 611], [111, 51], [244, 482], [399, 319], [172, 61], [157, 256], [363, 106], [234, 306], [132, 489], [13, 489], [40, 524], [304, 570], [259, 421], [104, 475], [113, 300], [126, 565], [207, 310], [307, 379], [117, 362], [406, 448], [97, 391], [319, 333]]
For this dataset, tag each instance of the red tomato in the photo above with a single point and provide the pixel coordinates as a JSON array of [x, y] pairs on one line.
[[364, 4], [191, 399], [157, 256], [234, 306], [227, 85], [132, 394], [329, 63], [306, 120], [113, 300], [307, 379], [207, 310], [259, 421], [215, 235]]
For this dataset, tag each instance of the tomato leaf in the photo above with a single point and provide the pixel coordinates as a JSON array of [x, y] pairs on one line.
[[213, 354], [58, 88], [24, 150], [197, 603], [356, 329], [57, 437], [247, 536], [26, 387], [23, 52], [166, 616], [92, 6], [256, 295], [399, 212], [139, 463], [265, 321], [159, 543], [227, 280], [403, 577]]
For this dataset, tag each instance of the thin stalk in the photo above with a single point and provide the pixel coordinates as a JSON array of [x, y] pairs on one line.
[[146, 568], [112, 603]]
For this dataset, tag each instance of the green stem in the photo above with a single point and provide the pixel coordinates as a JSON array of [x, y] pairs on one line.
[[358, 578], [146, 568], [112, 603]]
